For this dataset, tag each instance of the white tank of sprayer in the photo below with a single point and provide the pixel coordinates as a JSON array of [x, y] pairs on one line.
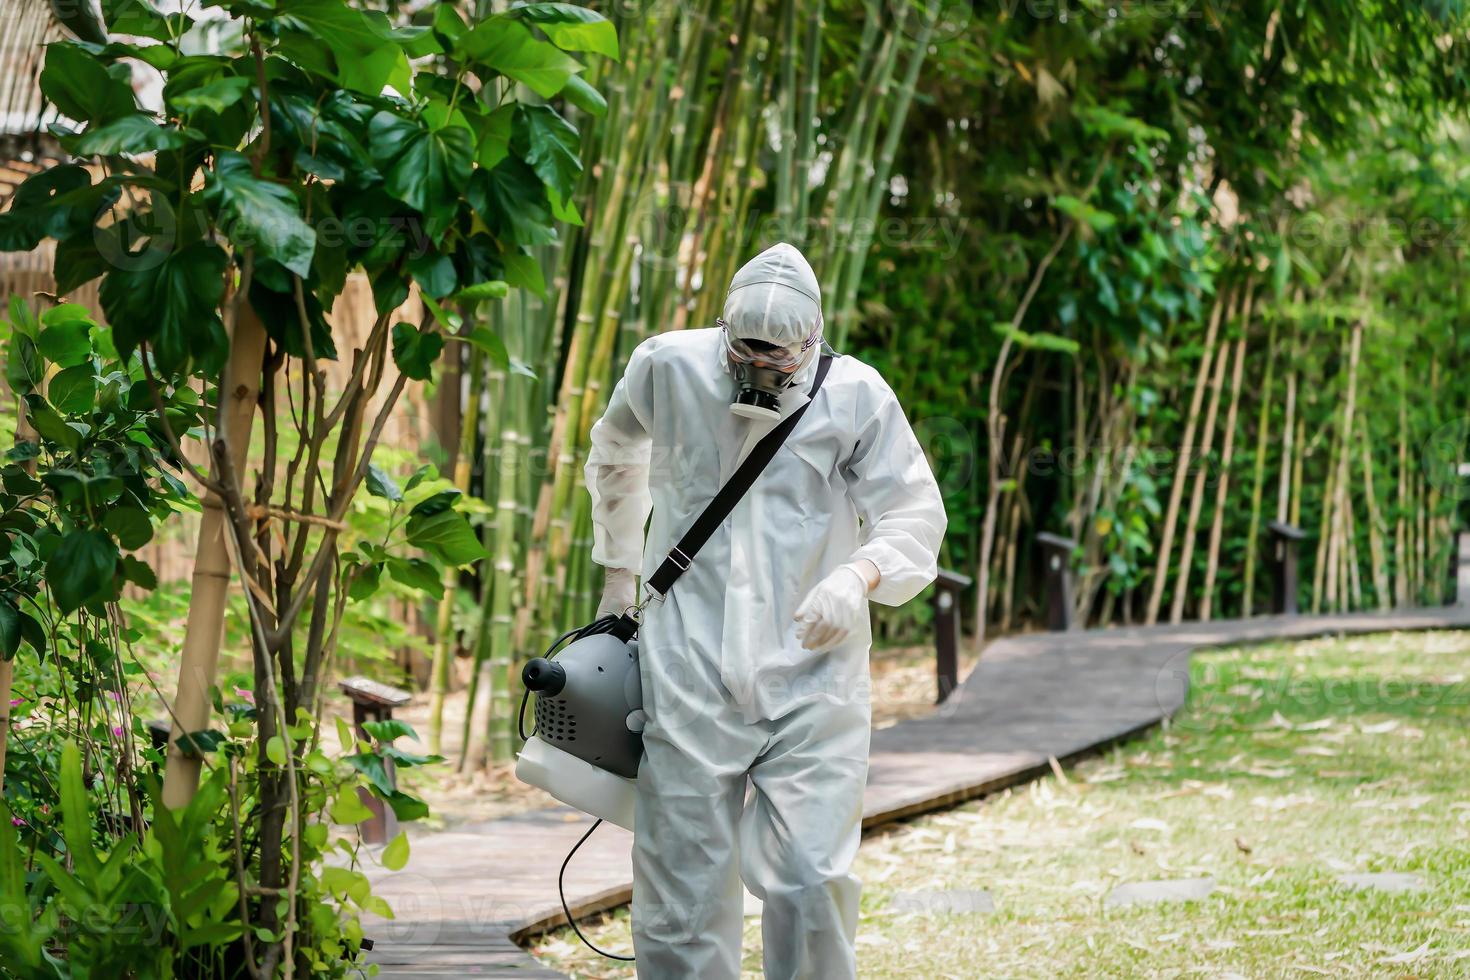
[[589, 725]]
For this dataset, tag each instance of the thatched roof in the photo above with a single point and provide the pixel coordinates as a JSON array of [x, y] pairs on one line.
[[25, 27]]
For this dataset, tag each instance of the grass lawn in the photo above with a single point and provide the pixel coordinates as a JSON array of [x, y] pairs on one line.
[[1291, 765]]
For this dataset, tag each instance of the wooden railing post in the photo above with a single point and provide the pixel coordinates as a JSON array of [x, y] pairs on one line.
[[373, 701], [1284, 541], [947, 588], [1056, 559]]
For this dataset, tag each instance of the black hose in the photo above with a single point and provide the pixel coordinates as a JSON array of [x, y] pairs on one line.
[[561, 890]]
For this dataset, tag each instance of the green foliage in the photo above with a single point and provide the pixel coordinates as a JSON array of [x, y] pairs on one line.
[[408, 169]]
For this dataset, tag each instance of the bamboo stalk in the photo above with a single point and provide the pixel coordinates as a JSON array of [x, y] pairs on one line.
[[1258, 475], [1325, 565], [1401, 527], [1342, 511], [1222, 489], [1196, 498], [1382, 593], [1181, 471], [444, 627]]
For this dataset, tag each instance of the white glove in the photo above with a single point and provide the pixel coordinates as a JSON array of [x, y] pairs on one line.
[[834, 608], [619, 591]]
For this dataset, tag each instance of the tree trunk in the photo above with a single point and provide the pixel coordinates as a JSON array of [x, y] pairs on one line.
[[204, 632]]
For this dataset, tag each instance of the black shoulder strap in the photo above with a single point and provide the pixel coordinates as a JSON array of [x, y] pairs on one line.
[[679, 559]]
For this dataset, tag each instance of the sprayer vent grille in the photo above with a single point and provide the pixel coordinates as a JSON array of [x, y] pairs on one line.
[[554, 722]]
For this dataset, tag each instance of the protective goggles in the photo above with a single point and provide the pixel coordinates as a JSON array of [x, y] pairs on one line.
[[742, 351]]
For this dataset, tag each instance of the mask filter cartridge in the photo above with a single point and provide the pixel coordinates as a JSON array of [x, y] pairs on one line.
[[758, 392]]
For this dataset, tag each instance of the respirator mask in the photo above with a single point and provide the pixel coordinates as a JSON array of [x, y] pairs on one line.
[[762, 371]]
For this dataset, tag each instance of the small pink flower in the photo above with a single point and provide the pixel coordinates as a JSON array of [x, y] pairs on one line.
[[15, 702], [117, 730], [245, 694], [17, 821], [114, 695]]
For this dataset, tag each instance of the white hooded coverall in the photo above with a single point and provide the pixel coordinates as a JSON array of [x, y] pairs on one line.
[[729, 691]]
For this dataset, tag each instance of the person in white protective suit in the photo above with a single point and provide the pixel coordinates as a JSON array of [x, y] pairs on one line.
[[755, 665]]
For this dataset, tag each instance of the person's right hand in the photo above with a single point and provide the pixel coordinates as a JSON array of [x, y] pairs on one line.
[[619, 592]]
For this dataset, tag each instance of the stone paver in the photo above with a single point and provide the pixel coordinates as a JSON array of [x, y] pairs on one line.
[[466, 895], [953, 900], [1153, 892], [1385, 881]]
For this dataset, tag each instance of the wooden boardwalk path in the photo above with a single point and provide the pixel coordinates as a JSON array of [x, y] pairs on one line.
[[465, 893]]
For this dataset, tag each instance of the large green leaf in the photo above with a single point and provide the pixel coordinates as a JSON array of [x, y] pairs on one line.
[[82, 568], [261, 214], [380, 484], [570, 27], [508, 48], [82, 87], [216, 96], [76, 816], [74, 390], [130, 525], [278, 310], [39, 208], [427, 169], [446, 535], [415, 351], [365, 54], [328, 138], [133, 133], [549, 144], [417, 574], [66, 343], [495, 133], [9, 628], [511, 200], [172, 305], [77, 261], [580, 93], [142, 19]]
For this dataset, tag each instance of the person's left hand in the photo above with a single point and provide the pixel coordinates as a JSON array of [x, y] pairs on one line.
[[833, 609]]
